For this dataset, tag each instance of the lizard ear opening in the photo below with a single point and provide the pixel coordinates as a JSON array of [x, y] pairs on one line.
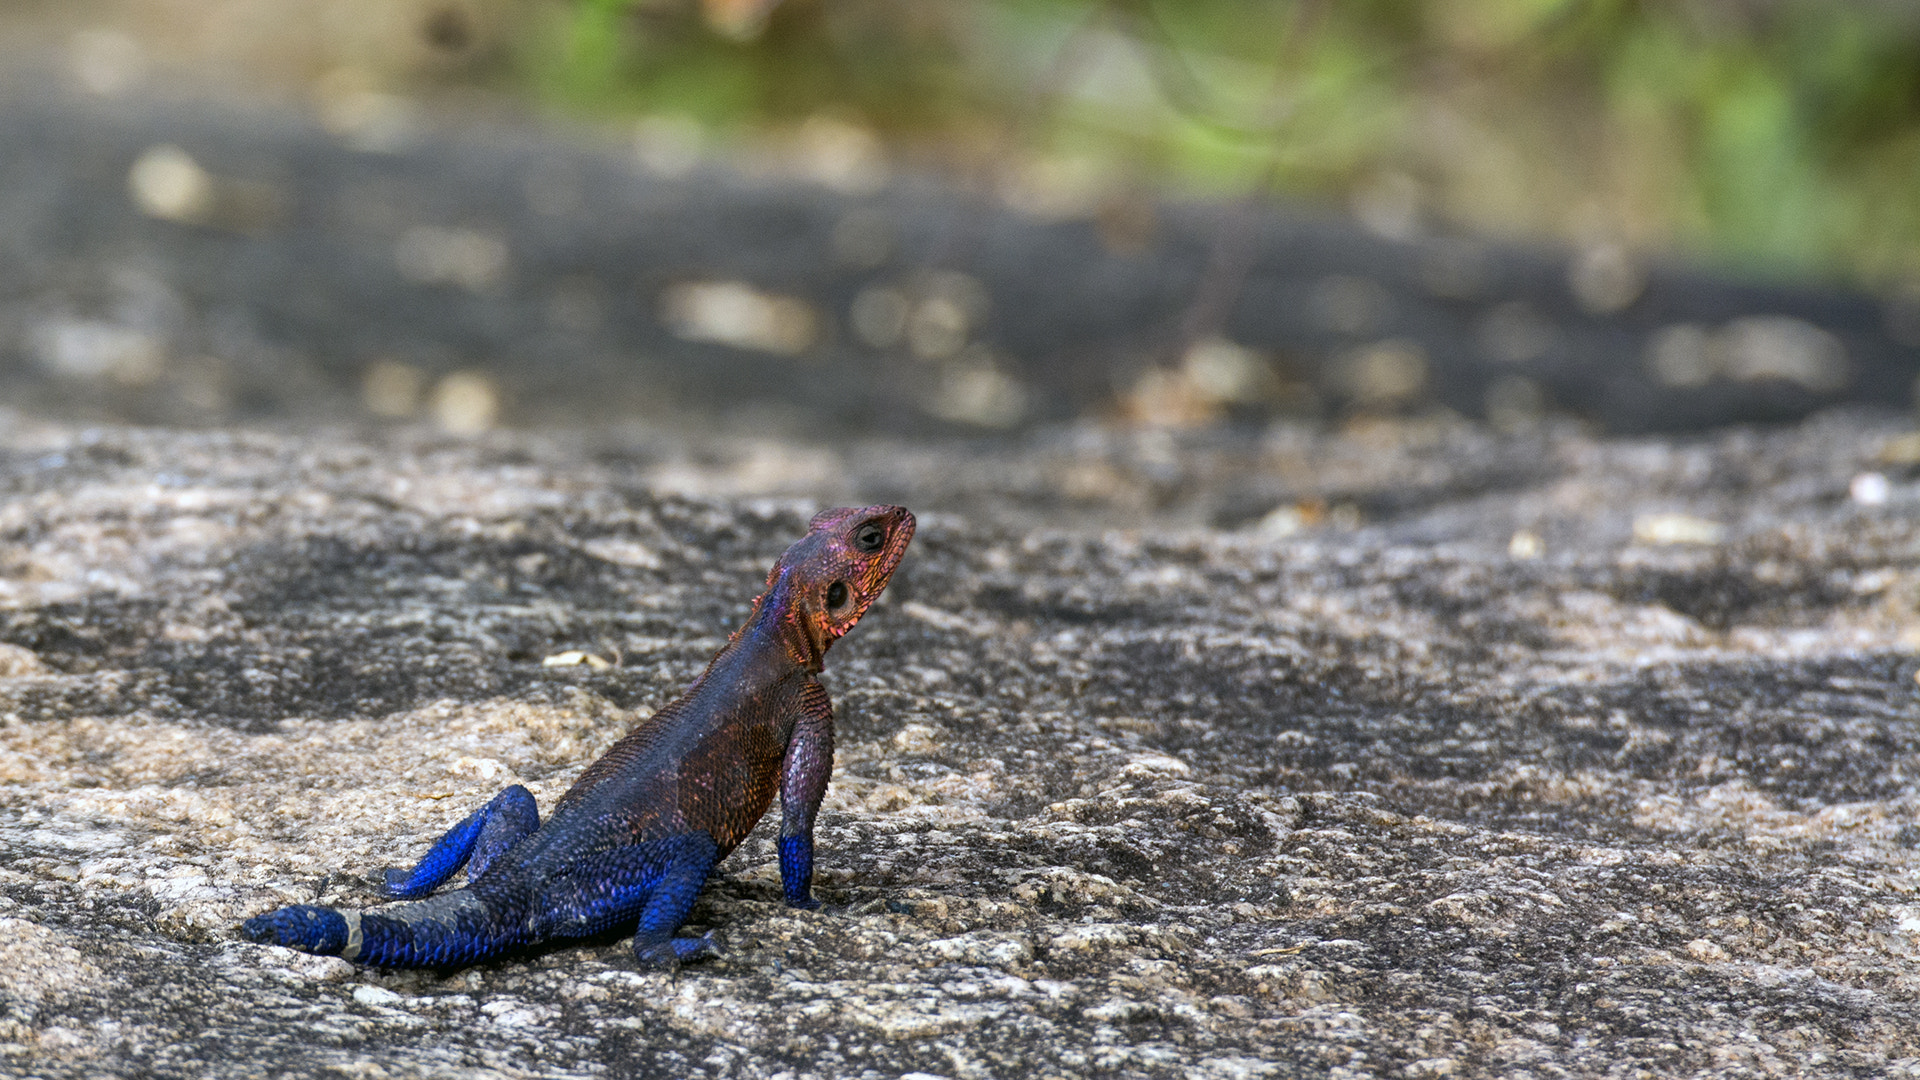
[[837, 596]]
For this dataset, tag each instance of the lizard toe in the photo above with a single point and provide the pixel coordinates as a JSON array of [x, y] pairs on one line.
[[668, 955], [700, 948]]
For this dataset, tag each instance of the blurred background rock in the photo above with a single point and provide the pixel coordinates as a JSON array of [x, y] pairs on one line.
[[816, 217]]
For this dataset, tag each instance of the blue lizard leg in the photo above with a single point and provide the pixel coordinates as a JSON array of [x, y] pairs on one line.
[[796, 871], [654, 883], [486, 833], [807, 767], [672, 901]]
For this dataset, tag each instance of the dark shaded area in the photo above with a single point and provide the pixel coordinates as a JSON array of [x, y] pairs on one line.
[[1730, 593]]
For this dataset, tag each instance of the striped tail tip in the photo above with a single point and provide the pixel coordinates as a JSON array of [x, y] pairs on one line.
[[318, 930]]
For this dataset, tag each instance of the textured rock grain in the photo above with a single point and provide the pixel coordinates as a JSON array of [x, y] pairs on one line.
[[1397, 752]]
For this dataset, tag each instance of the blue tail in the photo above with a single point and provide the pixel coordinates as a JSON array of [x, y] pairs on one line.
[[318, 930], [447, 931]]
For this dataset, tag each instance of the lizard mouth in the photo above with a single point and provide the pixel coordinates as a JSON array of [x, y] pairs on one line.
[[898, 537], [902, 533]]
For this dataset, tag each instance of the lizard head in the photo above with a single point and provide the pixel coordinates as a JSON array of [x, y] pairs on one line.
[[833, 574]]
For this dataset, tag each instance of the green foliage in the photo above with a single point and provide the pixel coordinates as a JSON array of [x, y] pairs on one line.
[[1774, 133]]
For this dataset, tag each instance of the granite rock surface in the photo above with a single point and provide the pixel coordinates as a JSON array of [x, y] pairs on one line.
[[1405, 750]]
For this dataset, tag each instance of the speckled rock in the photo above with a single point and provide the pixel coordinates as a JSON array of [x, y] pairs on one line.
[[1405, 751]]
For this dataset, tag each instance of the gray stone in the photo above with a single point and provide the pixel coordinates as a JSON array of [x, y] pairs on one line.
[[1407, 751]]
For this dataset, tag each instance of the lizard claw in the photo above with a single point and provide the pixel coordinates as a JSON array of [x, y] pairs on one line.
[[668, 955]]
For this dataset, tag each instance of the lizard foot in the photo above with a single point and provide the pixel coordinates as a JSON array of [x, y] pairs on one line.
[[671, 953]]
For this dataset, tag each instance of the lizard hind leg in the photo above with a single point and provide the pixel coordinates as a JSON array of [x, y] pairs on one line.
[[486, 834], [655, 883]]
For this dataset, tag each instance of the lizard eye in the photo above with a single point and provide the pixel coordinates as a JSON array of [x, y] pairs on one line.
[[870, 537], [836, 595]]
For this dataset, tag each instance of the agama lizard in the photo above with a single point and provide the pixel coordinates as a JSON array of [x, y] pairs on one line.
[[635, 838]]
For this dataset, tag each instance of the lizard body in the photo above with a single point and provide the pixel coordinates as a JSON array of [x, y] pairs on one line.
[[634, 839]]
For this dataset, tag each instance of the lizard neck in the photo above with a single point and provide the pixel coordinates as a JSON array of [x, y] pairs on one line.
[[778, 627]]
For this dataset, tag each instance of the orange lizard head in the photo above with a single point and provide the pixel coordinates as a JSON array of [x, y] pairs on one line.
[[829, 577]]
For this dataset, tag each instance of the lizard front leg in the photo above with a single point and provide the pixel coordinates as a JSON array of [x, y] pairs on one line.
[[804, 773], [486, 834]]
